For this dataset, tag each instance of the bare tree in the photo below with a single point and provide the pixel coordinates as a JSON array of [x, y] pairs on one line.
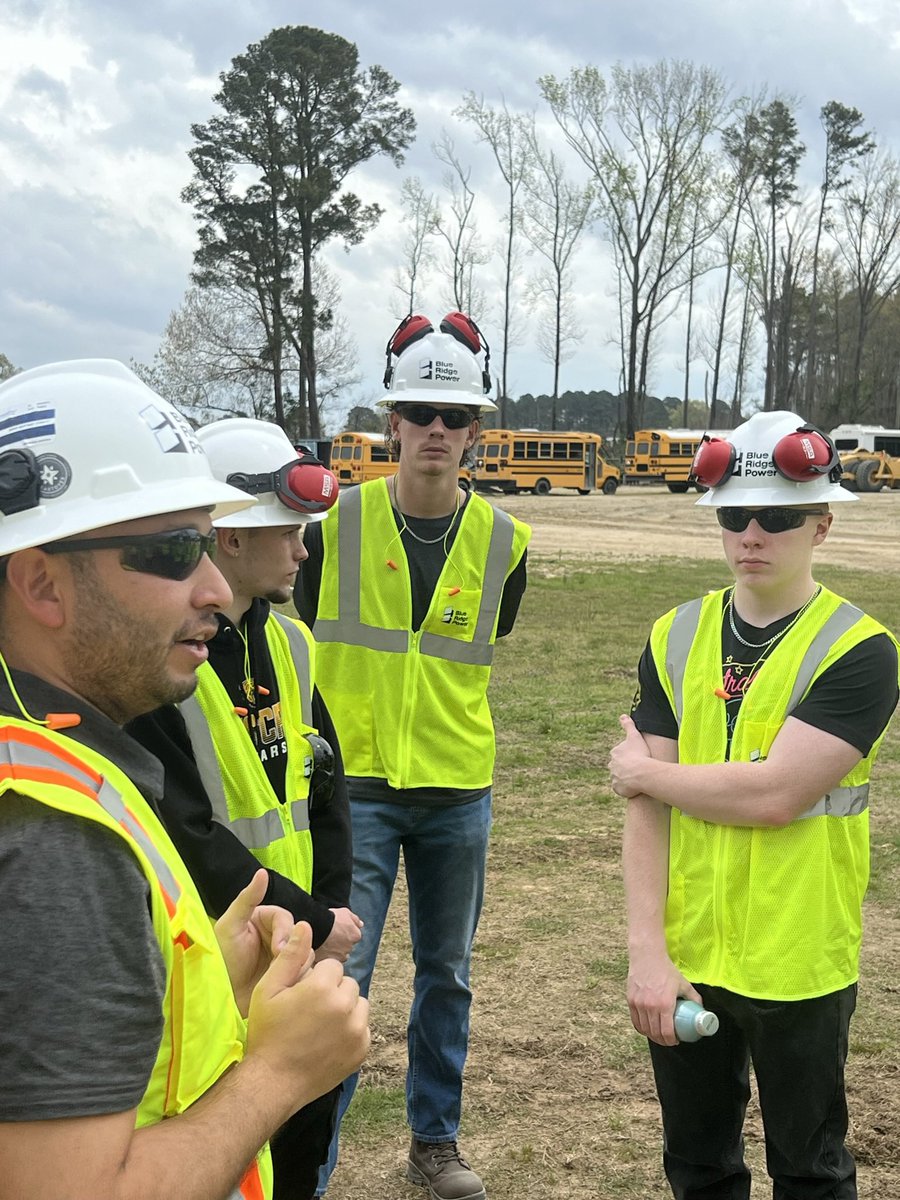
[[643, 135], [845, 146], [421, 215], [555, 216], [503, 133], [465, 252], [214, 357], [870, 246]]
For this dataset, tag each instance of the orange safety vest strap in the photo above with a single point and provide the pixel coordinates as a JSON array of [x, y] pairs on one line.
[[251, 1187]]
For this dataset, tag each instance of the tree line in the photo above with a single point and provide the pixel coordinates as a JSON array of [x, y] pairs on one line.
[[696, 192]]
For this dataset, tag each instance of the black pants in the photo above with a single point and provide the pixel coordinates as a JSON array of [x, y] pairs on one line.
[[300, 1147], [798, 1050]]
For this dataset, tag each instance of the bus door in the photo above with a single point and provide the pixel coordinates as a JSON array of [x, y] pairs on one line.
[[590, 466]]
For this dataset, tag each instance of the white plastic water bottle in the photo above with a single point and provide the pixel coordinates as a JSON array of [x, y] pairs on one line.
[[692, 1021]]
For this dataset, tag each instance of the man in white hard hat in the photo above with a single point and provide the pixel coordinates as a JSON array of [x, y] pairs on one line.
[[409, 583], [746, 765], [128, 1069], [253, 771]]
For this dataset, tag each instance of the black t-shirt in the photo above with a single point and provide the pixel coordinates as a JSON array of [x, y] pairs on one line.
[[82, 979], [852, 700], [426, 561]]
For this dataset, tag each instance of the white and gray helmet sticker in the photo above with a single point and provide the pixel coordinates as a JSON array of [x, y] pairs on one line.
[[171, 430], [56, 475]]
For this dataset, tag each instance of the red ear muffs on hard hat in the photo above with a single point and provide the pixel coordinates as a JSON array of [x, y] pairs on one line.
[[713, 463], [409, 330], [305, 485], [806, 454], [464, 329]]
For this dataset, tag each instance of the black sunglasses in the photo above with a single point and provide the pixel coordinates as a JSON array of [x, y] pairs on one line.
[[171, 554], [424, 414], [772, 520]]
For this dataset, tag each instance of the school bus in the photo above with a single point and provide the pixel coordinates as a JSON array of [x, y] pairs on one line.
[[532, 460], [359, 457], [664, 456]]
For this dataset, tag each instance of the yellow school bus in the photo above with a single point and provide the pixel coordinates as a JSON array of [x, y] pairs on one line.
[[359, 457], [664, 456], [533, 460]]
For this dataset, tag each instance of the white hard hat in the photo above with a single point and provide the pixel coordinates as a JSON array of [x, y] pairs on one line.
[[257, 457], [774, 458], [438, 368], [84, 444]]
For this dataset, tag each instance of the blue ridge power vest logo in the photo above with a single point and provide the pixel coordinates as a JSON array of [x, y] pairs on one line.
[[457, 617]]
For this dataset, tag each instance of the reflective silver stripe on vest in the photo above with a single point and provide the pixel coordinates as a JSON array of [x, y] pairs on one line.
[[682, 632], [204, 752], [348, 629], [110, 800], [840, 802], [840, 622], [300, 655], [256, 833]]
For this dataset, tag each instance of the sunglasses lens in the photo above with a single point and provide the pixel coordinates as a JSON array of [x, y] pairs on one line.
[[171, 555], [424, 414], [771, 520]]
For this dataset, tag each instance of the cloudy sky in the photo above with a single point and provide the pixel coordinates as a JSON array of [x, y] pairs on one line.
[[97, 98]]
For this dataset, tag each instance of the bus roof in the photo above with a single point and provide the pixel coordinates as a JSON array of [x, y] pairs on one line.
[[352, 434]]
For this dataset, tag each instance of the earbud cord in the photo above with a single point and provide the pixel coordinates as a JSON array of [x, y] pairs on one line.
[[52, 721]]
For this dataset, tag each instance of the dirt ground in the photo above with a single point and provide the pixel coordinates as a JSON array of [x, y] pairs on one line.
[[650, 522], [559, 1098]]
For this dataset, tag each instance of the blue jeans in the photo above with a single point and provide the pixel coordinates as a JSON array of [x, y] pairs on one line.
[[444, 854]]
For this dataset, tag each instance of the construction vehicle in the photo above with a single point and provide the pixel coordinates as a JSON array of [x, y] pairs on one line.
[[870, 456]]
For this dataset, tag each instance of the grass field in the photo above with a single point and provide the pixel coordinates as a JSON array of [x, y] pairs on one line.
[[559, 1097]]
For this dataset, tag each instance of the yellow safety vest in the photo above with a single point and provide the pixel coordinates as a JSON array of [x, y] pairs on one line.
[[772, 913], [411, 707], [239, 791], [203, 1031]]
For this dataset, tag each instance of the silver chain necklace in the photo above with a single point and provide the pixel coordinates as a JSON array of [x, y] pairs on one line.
[[779, 634], [406, 529]]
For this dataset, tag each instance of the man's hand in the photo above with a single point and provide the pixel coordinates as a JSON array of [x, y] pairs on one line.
[[250, 935], [626, 759], [309, 1027], [654, 986], [345, 933]]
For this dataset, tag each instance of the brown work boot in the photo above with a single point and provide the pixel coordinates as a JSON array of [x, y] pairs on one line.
[[439, 1167]]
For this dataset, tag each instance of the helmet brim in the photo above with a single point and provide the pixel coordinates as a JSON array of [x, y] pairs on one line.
[[432, 396], [46, 523]]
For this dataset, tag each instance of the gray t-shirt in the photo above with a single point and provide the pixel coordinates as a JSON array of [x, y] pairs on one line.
[[82, 979]]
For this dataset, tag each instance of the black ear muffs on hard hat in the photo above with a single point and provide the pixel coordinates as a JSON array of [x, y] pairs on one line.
[[305, 486], [713, 463], [410, 330], [807, 454], [20, 481], [464, 329]]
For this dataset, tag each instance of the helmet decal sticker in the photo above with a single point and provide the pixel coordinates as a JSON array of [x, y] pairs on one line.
[[36, 422], [56, 475], [172, 431]]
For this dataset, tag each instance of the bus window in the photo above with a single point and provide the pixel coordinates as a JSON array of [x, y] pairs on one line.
[[357, 451], [493, 450], [642, 448]]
